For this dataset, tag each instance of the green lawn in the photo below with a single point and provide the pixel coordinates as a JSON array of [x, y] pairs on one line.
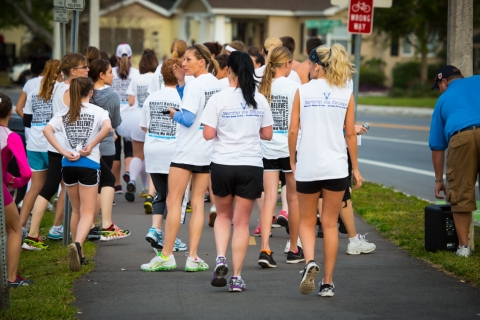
[[398, 102], [400, 218], [51, 296]]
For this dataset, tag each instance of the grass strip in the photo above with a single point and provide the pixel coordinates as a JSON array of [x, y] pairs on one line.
[[400, 219], [428, 102], [51, 296]]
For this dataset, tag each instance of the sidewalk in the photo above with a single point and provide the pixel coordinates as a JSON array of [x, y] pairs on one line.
[[384, 284]]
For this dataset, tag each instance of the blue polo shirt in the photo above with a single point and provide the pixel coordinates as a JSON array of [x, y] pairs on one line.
[[457, 108]]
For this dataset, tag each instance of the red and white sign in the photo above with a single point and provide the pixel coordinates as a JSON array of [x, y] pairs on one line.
[[360, 16]]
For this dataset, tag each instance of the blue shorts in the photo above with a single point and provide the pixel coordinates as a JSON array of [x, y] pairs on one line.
[[38, 161]]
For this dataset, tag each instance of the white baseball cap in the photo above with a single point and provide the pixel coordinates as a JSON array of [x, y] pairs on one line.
[[122, 49]]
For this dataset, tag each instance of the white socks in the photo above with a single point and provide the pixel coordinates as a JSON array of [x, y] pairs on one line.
[[354, 239]]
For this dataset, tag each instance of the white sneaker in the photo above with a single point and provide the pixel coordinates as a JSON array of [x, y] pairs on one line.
[[195, 264], [464, 252], [361, 246], [287, 247], [160, 264]]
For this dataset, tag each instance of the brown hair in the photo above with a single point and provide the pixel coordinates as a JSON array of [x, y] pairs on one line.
[[92, 53], [222, 60], [276, 58], [313, 43], [149, 61], [214, 47], [5, 106], [239, 45], [71, 60], [96, 67], [52, 70], [201, 52], [167, 71], [288, 43], [79, 88], [178, 48]]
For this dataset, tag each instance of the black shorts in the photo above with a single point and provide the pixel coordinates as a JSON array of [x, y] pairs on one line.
[[190, 167], [310, 187], [242, 181], [281, 164], [347, 195], [283, 179], [85, 176], [127, 149]]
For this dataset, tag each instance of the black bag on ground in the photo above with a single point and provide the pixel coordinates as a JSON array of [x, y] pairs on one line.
[[440, 233]]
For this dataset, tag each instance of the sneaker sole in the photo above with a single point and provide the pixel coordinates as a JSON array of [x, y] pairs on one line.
[[276, 225], [55, 237], [126, 178], [236, 289], [220, 274], [295, 261], [195, 269], [359, 252], [282, 222], [93, 238], [31, 248], [265, 264], [105, 239], [131, 187], [307, 285], [148, 208], [130, 196], [73, 259], [161, 269], [119, 192], [211, 218], [153, 243], [326, 294]]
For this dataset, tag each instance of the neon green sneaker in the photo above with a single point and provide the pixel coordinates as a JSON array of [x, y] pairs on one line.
[[159, 264], [34, 244], [194, 265]]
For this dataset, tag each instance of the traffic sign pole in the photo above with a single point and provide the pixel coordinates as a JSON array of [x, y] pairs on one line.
[[74, 31], [356, 76]]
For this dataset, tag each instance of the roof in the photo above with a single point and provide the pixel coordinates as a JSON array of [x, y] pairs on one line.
[[114, 5], [291, 5], [166, 4]]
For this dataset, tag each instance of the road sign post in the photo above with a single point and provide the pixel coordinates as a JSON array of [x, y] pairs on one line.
[[4, 290], [76, 6]]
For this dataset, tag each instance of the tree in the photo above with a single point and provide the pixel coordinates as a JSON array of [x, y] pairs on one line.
[[36, 15]]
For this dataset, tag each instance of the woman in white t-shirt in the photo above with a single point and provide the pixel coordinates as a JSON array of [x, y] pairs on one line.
[[191, 157], [76, 133], [137, 93], [279, 91], [122, 76], [323, 108], [236, 119]]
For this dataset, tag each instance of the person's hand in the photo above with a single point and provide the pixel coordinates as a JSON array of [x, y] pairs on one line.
[[178, 72], [357, 179], [360, 129], [86, 151], [71, 156], [115, 137], [172, 112], [440, 186], [293, 165]]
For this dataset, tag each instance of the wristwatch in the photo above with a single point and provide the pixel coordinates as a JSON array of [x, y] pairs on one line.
[[439, 180]]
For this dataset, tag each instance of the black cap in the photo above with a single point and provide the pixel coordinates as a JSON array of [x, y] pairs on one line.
[[445, 72]]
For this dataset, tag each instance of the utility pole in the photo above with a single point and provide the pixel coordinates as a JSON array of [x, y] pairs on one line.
[[94, 23], [460, 50]]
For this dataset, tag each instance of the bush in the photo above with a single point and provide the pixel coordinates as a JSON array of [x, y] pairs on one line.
[[406, 80], [372, 74]]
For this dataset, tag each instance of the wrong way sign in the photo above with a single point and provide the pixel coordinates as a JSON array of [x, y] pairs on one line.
[[360, 16]]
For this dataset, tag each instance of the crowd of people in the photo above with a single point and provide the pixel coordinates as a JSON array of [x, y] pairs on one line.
[[228, 121]]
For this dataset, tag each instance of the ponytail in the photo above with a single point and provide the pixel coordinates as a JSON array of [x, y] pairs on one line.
[[52, 70], [124, 67], [336, 64], [201, 52], [79, 89], [241, 65], [276, 58], [178, 49]]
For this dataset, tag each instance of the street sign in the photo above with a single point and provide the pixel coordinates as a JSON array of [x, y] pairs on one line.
[[76, 5], [60, 15], [59, 3], [360, 16], [324, 26], [376, 3]]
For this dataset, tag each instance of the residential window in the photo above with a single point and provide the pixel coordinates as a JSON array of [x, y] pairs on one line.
[[341, 36], [394, 46], [407, 48], [110, 38]]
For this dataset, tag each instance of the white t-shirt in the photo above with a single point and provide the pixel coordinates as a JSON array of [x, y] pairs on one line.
[[160, 140], [238, 127], [58, 105], [224, 83], [283, 91], [120, 87], [292, 76], [32, 85], [139, 88], [157, 80], [41, 112], [322, 153], [192, 148], [71, 136]]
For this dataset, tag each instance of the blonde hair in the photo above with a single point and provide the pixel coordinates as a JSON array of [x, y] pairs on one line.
[[276, 59], [178, 48], [52, 70], [271, 43], [238, 45], [201, 52], [336, 64]]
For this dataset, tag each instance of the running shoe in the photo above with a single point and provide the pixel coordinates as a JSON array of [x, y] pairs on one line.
[[463, 252], [265, 260], [295, 257], [326, 290], [275, 222], [155, 238], [34, 244], [319, 231], [144, 193], [74, 256], [118, 189], [282, 219], [94, 234], [50, 207], [206, 197], [258, 231], [126, 177], [287, 246], [113, 233], [55, 233], [219, 273], [19, 282], [236, 284], [147, 204], [189, 208], [195, 264], [179, 245], [158, 263], [212, 216], [130, 194], [311, 270], [361, 246]]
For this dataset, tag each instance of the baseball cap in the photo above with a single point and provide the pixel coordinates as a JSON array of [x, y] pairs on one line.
[[272, 43], [124, 49], [445, 72]]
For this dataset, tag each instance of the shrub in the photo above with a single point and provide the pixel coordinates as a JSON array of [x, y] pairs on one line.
[[372, 74]]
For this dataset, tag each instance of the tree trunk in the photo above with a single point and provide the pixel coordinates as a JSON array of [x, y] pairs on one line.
[[424, 66], [33, 26]]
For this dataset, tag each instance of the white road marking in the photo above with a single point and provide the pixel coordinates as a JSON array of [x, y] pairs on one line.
[[420, 143]]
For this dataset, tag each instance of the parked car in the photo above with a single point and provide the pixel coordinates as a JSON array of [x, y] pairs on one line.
[[20, 73], [16, 125]]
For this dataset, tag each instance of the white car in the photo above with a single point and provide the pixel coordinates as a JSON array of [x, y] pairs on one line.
[[20, 73]]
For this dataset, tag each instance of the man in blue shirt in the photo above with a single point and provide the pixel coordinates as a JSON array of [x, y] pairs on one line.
[[456, 126]]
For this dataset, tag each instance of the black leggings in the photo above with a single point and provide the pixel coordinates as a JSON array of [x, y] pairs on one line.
[[107, 179], [160, 181], [127, 148], [54, 175]]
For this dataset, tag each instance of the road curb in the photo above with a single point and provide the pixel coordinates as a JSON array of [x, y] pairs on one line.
[[402, 111]]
